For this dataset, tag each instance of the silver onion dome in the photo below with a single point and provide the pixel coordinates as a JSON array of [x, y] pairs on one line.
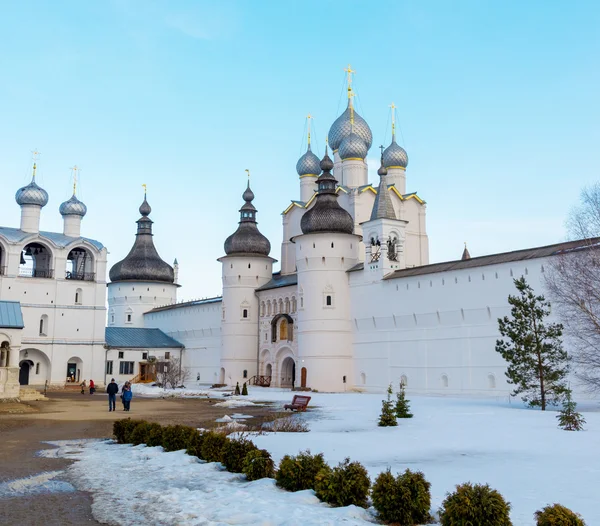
[[32, 194], [73, 207], [353, 147], [247, 239], [308, 164], [342, 127], [327, 215], [394, 156]]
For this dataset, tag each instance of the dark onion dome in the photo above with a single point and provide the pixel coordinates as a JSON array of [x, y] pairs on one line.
[[327, 215], [73, 207], [143, 262], [353, 148], [394, 156], [247, 240], [32, 194], [308, 164], [342, 127]]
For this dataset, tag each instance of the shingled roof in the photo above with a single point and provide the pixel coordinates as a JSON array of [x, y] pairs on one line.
[[494, 259]]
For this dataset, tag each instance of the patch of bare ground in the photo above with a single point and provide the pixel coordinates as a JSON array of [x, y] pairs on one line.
[[65, 416]]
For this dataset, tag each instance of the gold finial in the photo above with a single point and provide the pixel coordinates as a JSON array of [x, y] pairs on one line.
[[248, 172], [349, 71], [75, 169], [145, 189], [465, 244], [309, 117], [35, 155], [393, 106]]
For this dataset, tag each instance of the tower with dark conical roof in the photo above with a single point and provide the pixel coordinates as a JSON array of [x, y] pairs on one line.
[[325, 250], [245, 267], [142, 280]]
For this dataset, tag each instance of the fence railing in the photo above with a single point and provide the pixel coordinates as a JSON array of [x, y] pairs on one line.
[[36, 273], [81, 276]]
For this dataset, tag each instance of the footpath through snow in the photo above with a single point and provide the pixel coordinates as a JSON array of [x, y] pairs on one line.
[[519, 452]]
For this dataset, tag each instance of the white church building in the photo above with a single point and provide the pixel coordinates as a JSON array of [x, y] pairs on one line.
[[356, 304]]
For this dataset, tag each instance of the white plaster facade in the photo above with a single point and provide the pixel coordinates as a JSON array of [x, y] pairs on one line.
[[59, 281]]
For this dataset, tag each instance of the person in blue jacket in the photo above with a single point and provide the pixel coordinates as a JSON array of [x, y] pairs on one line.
[[127, 395]]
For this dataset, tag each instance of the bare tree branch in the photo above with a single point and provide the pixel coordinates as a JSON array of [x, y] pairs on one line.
[[171, 374]]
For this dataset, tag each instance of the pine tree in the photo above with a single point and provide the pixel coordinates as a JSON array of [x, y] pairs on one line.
[[237, 389], [244, 390], [387, 417], [568, 417], [537, 363], [402, 404]]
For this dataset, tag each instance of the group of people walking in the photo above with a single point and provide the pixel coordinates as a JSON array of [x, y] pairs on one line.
[[126, 395]]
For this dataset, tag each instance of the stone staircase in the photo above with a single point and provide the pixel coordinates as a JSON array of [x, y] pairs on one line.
[[28, 394]]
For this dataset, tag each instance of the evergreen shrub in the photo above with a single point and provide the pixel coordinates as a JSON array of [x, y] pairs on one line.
[[348, 483], [234, 454], [388, 414], [258, 464], [237, 388], [557, 515], [568, 417], [402, 408], [194, 443], [404, 499], [244, 390], [139, 433], [154, 434], [176, 437], [299, 472], [122, 429], [212, 446], [475, 504]]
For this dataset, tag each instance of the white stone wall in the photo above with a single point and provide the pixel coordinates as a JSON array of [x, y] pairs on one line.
[[73, 311], [129, 300], [198, 327], [437, 331]]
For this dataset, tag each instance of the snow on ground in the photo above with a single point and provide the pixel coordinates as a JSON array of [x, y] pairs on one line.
[[518, 451], [142, 485]]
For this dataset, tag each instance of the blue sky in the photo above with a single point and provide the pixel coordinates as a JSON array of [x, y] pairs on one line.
[[497, 103]]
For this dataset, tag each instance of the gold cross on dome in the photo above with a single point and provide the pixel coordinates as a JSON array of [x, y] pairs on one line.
[[309, 117], [75, 169], [145, 189], [35, 155]]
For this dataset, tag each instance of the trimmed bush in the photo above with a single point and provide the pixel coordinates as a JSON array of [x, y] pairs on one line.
[[237, 388], [234, 454], [194, 443], [139, 433], [557, 515], [475, 504], [402, 407], [122, 429], [405, 499], [244, 390], [258, 464], [175, 438], [299, 472], [212, 446], [154, 434], [347, 483]]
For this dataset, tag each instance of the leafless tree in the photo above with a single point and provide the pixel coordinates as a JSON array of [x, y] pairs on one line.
[[573, 282], [171, 374]]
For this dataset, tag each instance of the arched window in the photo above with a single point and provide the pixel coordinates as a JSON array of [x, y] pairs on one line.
[[491, 381], [78, 297], [44, 325], [444, 380], [328, 300], [244, 313], [80, 265], [262, 308], [404, 380], [129, 315], [294, 305], [287, 306], [363, 378], [36, 262], [245, 373], [268, 308], [283, 330]]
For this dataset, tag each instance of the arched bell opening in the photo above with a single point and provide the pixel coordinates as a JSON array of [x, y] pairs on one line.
[[80, 265], [36, 261]]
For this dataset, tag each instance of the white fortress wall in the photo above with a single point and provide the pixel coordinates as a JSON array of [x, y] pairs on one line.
[[198, 327]]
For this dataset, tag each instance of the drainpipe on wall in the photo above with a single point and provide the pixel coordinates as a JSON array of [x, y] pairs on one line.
[[106, 349], [258, 337]]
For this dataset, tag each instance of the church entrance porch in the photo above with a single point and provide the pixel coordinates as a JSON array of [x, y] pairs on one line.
[[288, 373], [74, 366]]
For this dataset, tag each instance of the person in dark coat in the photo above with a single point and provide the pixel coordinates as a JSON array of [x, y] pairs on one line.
[[127, 395], [112, 389]]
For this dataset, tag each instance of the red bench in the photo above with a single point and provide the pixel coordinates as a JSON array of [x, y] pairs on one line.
[[299, 403]]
